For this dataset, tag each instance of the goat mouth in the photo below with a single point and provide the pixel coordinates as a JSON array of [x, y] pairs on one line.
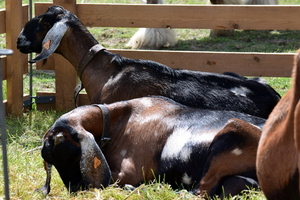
[[24, 49]]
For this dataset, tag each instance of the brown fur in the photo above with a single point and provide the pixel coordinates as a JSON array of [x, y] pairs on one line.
[[142, 134], [221, 165], [278, 151]]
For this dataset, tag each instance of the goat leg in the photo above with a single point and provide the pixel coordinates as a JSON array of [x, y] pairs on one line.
[[236, 157], [46, 188]]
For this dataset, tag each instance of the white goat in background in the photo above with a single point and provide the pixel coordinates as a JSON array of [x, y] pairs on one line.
[[155, 38]]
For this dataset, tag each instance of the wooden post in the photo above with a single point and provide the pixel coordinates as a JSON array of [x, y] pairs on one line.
[[65, 73], [14, 62]]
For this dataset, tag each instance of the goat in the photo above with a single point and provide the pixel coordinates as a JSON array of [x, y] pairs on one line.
[[109, 77], [153, 38], [152, 137], [156, 38], [278, 151], [224, 32]]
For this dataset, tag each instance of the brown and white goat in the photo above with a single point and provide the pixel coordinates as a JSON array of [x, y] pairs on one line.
[[109, 77], [152, 137], [278, 151]]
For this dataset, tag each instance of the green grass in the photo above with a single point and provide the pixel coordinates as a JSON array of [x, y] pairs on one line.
[[25, 132]]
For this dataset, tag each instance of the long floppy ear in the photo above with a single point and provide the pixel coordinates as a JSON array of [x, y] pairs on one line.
[[93, 165], [52, 40]]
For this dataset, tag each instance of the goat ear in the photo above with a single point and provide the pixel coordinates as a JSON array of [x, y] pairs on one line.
[[94, 168], [52, 40]]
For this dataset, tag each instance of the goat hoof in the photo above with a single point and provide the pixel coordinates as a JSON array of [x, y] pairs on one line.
[[43, 190]]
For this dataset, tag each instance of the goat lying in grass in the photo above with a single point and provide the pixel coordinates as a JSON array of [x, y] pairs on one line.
[[152, 137], [109, 77], [279, 149]]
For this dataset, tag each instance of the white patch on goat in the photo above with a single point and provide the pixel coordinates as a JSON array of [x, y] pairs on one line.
[[175, 143], [205, 137], [127, 167], [240, 91], [176, 147], [147, 103], [186, 179], [123, 152], [127, 132], [237, 151]]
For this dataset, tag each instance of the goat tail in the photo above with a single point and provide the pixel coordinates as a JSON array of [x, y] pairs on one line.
[[152, 38]]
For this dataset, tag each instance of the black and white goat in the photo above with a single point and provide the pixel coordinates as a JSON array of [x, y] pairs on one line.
[[109, 77]]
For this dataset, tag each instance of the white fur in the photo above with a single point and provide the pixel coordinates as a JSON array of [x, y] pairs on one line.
[[186, 179], [123, 152], [240, 91], [152, 38], [237, 151], [147, 103], [176, 147]]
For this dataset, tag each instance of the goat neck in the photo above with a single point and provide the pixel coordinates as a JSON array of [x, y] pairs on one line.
[[78, 47], [76, 43]]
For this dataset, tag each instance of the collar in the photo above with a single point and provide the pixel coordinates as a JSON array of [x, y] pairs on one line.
[[88, 57], [106, 125]]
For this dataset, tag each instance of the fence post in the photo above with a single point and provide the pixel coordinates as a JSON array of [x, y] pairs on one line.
[[15, 62], [65, 73]]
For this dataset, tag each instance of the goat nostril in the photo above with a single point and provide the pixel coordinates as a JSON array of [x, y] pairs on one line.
[[58, 139]]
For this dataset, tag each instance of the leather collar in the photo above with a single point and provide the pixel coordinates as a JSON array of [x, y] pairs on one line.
[[88, 57], [106, 125]]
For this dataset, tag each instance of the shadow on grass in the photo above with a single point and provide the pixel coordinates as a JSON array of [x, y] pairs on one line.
[[245, 41]]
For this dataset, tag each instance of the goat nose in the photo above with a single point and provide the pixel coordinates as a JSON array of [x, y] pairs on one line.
[[21, 34], [58, 139], [21, 38]]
